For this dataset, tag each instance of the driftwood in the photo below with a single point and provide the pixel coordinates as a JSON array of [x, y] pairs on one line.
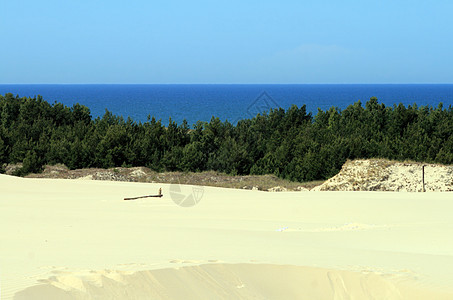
[[157, 196], [135, 198]]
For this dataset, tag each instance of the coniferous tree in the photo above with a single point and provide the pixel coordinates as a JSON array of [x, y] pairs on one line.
[[288, 143]]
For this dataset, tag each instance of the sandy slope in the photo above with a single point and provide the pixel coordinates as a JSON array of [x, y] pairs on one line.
[[386, 175], [74, 239]]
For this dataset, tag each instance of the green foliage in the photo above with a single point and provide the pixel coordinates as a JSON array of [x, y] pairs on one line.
[[3, 159], [32, 164], [290, 144]]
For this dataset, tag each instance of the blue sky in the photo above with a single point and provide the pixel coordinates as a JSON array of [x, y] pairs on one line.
[[138, 41]]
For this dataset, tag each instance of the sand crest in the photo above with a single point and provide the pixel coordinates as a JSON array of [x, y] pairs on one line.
[[227, 281]]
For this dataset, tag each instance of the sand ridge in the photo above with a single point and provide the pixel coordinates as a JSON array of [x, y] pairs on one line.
[[224, 281]]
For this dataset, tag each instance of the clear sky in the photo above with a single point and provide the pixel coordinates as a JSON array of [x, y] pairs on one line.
[[146, 41]]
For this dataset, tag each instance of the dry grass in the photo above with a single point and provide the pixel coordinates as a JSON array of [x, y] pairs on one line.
[[207, 178]]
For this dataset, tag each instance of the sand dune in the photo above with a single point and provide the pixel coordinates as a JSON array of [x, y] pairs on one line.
[[386, 175], [226, 281], [76, 239]]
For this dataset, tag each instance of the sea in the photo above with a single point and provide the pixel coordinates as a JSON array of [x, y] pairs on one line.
[[232, 102]]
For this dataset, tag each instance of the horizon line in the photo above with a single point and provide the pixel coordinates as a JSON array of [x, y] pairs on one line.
[[78, 83]]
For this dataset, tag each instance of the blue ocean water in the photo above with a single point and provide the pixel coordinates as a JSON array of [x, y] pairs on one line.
[[195, 102]]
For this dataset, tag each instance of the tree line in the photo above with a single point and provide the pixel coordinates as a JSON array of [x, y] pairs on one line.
[[291, 144]]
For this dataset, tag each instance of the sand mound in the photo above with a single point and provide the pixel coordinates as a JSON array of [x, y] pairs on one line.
[[384, 175], [223, 281]]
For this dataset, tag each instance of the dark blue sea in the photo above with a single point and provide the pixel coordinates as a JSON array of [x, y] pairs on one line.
[[195, 102]]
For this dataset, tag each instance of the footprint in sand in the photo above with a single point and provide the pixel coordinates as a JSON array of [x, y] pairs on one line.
[[189, 261], [175, 261]]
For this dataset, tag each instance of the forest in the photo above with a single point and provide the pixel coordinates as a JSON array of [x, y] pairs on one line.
[[291, 144]]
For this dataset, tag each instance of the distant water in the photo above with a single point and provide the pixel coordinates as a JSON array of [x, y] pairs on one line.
[[228, 102]]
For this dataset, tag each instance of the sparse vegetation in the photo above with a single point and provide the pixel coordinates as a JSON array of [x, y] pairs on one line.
[[206, 178]]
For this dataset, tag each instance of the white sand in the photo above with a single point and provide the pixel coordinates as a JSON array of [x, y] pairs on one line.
[[386, 175], [77, 239]]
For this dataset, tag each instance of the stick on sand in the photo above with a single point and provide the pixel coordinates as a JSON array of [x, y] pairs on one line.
[[135, 198], [160, 195]]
